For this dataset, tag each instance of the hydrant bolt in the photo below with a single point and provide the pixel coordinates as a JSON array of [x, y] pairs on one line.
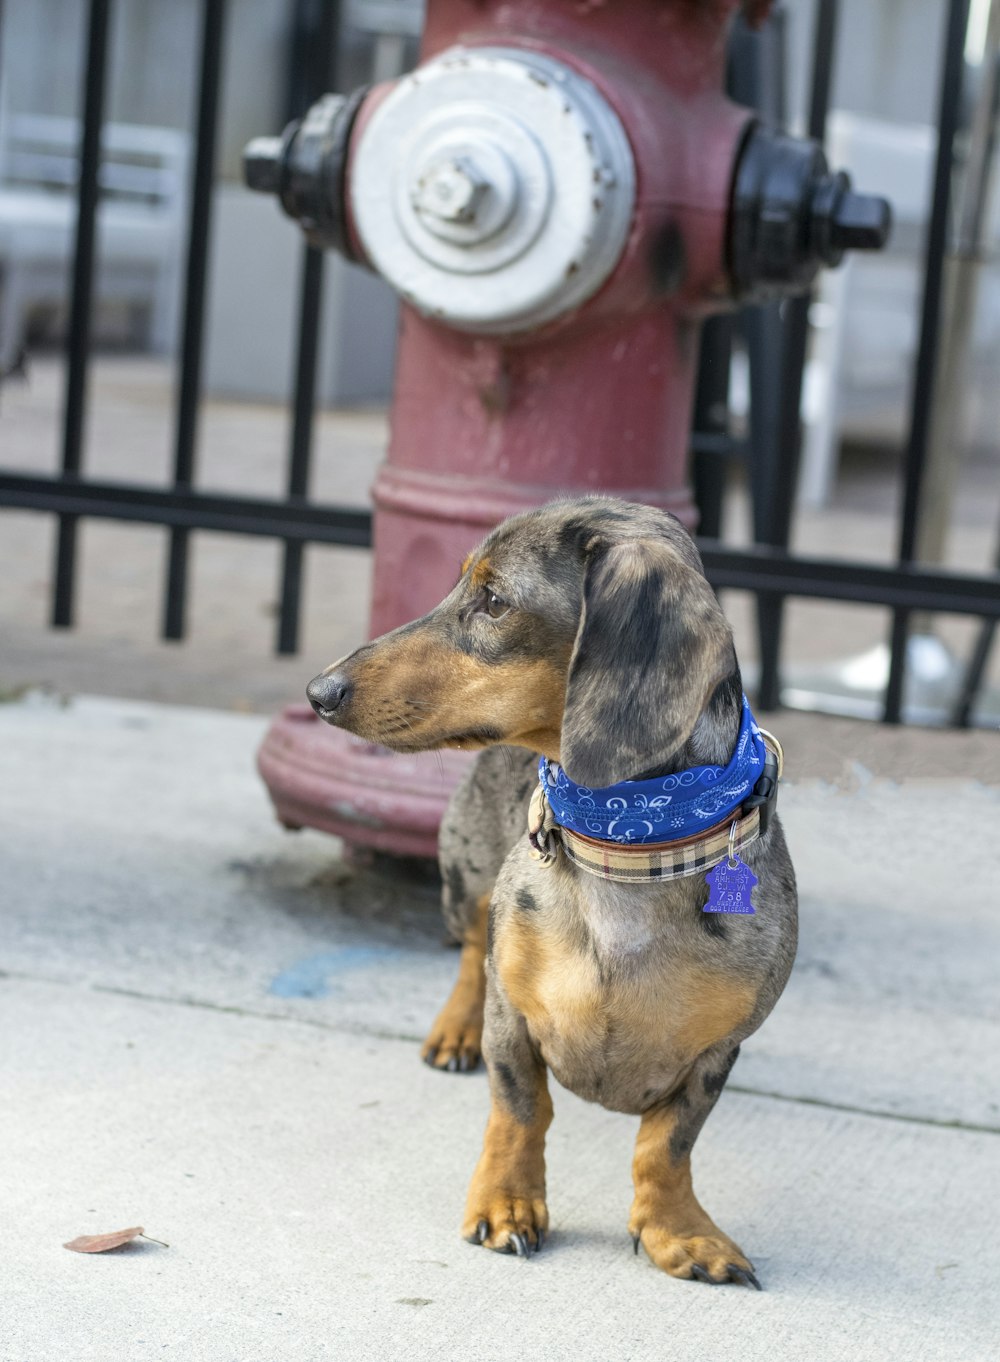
[[262, 169], [451, 190], [861, 222]]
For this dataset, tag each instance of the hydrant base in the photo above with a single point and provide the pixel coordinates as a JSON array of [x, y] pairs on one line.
[[323, 778]]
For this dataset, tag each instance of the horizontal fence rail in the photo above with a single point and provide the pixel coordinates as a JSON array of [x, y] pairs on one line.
[[301, 522], [905, 587], [758, 568]]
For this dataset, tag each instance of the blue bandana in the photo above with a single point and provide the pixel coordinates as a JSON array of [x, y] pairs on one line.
[[665, 809]]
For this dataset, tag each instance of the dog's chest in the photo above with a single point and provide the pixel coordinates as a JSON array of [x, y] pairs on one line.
[[619, 928], [618, 1014]]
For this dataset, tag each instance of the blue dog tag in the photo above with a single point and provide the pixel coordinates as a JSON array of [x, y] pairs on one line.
[[730, 888]]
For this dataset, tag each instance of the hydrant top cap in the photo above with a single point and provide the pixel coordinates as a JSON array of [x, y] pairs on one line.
[[494, 189]]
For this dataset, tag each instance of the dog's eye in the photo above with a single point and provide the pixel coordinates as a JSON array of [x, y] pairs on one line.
[[495, 607]]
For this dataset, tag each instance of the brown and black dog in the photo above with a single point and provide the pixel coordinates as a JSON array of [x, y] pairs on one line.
[[585, 631]]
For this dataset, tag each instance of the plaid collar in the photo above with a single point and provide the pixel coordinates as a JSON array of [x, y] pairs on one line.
[[631, 863]]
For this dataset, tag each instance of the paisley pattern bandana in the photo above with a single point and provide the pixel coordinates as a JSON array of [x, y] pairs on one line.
[[665, 809]]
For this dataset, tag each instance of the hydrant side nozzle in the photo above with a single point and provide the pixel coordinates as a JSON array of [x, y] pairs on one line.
[[790, 215], [305, 168]]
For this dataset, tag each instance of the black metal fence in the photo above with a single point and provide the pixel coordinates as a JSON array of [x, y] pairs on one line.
[[776, 335]]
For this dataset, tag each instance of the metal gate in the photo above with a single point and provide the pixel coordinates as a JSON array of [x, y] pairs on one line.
[[776, 338]]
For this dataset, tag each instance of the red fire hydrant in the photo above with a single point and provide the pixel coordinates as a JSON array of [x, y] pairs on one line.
[[558, 193]]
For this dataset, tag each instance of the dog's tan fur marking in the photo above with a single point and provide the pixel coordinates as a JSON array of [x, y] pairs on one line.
[[507, 1192], [673, 1227], [482, 573], [455, 1040], [440, 692], [553, 986], [711, 1007]]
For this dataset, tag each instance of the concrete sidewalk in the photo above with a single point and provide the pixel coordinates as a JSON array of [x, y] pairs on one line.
[[208, 1027]]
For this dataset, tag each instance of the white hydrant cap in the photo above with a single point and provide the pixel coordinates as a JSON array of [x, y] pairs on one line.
[[494, 189]]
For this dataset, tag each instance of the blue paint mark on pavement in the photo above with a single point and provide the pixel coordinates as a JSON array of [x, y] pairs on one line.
[[313, 976]]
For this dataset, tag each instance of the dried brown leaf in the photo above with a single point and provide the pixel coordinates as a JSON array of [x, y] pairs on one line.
[[100, 1243]]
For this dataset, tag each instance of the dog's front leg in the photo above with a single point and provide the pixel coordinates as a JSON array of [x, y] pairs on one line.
[[505, 1208], [667, 1218], [454, 1040]]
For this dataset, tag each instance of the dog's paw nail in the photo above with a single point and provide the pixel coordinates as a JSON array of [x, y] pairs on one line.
[[463, 1064], [482, 1230], [430, 1057], [540, 1241], [636, 1241], [519, 1245], [743, 1275], [452, 1065], [699, 1274]]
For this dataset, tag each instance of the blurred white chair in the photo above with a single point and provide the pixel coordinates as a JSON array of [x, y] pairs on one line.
[[140, 223]]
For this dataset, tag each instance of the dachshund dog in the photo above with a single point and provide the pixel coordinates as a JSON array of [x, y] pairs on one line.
[[586, 632]]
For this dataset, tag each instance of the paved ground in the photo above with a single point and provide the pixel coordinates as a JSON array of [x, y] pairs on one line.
[[208, 1027]]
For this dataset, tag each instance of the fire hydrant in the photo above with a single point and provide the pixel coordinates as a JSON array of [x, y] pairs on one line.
[[558, 193]]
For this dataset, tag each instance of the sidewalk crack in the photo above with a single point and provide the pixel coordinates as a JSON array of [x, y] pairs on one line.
[[378, 1033]]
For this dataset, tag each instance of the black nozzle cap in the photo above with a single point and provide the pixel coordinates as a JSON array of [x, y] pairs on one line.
[[306, 167], [790, 215]]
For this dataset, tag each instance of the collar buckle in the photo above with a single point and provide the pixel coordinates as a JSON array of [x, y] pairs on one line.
[[765, 792]]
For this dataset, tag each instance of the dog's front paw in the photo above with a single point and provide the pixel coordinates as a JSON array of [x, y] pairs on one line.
[[710, 1257], [454, 1042], [509, 1224]]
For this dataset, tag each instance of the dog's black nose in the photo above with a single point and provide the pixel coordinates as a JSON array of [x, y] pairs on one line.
[[327, 694]]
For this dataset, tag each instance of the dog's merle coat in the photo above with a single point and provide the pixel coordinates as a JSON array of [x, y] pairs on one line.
[[586, 631]]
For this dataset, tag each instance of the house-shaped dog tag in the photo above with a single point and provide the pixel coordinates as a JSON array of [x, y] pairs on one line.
[[730, 887]]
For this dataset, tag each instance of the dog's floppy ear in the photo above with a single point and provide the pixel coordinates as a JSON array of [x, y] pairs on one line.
[[651, 647]]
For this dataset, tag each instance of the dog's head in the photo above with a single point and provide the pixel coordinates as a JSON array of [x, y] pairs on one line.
[[584, 630]]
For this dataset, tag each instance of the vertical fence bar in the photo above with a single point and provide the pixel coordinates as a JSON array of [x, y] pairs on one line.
[[189, 389], [300, 451], [822, 71], [710, 466], [81, 299], [970, 248], [321, 25], [776, 509], [930, 330], [976, 669], [755, 77]]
